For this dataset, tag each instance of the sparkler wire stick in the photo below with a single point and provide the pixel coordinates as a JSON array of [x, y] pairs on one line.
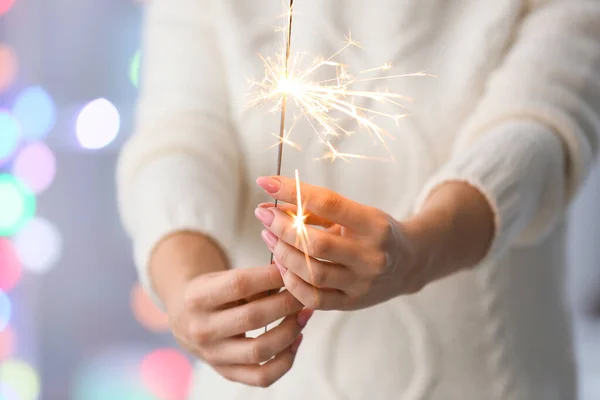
[[288, 47], [284, 99]]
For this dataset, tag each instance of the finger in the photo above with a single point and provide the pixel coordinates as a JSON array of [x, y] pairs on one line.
[[318, 273], [262, 348], [250, 316], [315, 242], [231, 286], [311, 219], [262, 375], [310, 296], [320, 201]]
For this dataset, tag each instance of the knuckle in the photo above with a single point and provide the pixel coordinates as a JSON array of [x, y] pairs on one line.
[[257, 352], [289, 303], [321, 246], [198, 333], [238, 284], [327, 201], [319, 275], [248, 318], [315, 301], [283, 254], [263, 380]]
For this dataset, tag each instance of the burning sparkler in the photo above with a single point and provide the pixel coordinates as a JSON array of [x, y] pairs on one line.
[[324, 104]]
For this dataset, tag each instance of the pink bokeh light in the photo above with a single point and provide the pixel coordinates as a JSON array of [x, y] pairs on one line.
[[167, 374], [35, 166]]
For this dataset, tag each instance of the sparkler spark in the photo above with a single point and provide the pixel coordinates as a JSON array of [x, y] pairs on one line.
[[299, 218], [325, 103]]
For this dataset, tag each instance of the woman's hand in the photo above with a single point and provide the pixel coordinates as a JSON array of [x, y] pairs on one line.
[[358, 256], [210, 313]]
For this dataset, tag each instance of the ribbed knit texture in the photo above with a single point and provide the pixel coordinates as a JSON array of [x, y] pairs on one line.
[[514, 112]]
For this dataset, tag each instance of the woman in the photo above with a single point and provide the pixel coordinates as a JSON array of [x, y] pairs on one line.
[[440, 274]]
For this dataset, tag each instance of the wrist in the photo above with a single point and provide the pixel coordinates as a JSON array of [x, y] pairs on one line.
[[180, 257], [453, 230]]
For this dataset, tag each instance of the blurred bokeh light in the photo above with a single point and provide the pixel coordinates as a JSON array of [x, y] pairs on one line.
[[9, 64], [168, 374], [114, 375], [7, 343], [9, 135], [5, 6], [17, 204], [8, 393], [134, 69], [5, 310], [21, 378], [11, 270], [35, 166], [38, 245], [146, 312], [98, 124], [36, 112]]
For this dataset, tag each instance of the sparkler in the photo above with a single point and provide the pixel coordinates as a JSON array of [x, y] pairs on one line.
[[325, 104]]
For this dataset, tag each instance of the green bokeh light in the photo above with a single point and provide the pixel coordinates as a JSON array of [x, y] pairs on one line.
[[17, 205], [134, 69], [21, 377]]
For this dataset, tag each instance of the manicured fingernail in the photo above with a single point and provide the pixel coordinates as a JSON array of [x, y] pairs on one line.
[[265, 216], [296, 345], [304, 317], [269, 238], [281, 268], [271, 185]]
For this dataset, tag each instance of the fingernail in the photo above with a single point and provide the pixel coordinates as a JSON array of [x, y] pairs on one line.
[[296, 345], [304, 317], [271, 185], [281, 268], [269, 238], [265, 216]]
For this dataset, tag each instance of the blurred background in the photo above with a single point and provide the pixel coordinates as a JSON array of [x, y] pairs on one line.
[[74, 324]]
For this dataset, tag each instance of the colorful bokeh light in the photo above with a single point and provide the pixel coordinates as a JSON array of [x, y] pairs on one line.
[[8, 393], [5, 311], [9, 135], [5, 6], [7, 343], [9, 64], [20, 377], [36, 111], [17, 205], [35, 166], [38, 245], [10, 267], [168, 374], [98, 124], [134, 69], [146, 311], [112, 375]]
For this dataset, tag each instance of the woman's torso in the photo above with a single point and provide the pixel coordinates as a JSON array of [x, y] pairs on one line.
[[496, 333]]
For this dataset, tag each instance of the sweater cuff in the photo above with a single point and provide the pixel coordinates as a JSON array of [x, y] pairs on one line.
[[169, 194], [519, 168]]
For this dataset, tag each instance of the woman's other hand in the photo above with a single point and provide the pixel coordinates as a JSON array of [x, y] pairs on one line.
[[210, 313], [358, 256]]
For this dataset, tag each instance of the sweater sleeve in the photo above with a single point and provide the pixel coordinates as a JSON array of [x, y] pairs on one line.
[[180, 169], [532, 138]]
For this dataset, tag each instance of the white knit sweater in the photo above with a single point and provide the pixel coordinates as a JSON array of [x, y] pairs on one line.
[[514, 110]]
